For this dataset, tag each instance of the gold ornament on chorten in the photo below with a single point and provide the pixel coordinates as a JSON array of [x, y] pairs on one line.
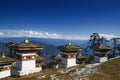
[[3, 55], [26, 40]]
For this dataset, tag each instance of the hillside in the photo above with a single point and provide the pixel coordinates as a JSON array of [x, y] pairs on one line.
[[49, 74], [108, 71]]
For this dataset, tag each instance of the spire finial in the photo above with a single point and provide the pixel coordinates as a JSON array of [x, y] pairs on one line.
[[101, 44], [26, 40], [69, 43], [3, 55], [80, 54], [58, 55]]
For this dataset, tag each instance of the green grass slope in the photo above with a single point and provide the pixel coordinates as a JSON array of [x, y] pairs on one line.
[[109, 70]]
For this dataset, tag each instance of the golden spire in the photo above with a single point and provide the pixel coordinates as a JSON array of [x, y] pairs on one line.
[[69, 43], [101, 44], [58, 55], [26, 40], [3, 55], [80, 54]]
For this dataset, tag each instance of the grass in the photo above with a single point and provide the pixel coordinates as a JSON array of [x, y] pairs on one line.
[[47, 72], [109, 70]]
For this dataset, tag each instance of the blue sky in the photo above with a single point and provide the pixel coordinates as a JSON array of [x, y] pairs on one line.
[[62, 17]]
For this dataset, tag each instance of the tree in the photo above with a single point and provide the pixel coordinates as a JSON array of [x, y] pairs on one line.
[[115, 40], [9, 46]]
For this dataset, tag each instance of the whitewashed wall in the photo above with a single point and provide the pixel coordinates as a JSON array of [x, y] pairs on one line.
[[5, 73], [71, 62], [100, 59], [25, 65], [68, 62]]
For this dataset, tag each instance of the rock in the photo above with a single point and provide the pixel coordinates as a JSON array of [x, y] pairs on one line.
[[53, 77], [41, 77]]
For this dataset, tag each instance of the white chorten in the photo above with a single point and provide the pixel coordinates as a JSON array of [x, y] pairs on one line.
[[26, 58], [68, 53]]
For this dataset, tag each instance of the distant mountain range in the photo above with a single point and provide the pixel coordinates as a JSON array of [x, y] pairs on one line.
[[3, 48], [55, 42]]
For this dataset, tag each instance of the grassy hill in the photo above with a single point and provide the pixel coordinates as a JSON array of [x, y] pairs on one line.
[[106, 71], [47, 73], [109, 70]]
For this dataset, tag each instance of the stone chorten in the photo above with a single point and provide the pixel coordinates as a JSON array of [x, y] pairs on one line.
[[100, 53], [25, 54], [5, 66], [68, 54]]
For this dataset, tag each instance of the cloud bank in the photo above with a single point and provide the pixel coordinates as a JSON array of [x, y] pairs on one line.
[[107, 36], [36, 34], [1, 34]]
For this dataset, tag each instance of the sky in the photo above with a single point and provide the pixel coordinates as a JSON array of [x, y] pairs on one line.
[[64, 19]]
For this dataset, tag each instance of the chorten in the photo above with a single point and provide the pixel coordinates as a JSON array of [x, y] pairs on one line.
[[68, 54], [101, 52], [81, 59], [25, 54], [55, 61], [5, 66]]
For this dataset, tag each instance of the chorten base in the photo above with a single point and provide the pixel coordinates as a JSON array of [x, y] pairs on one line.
[[16, 72], [100, 59], [66, 66], [66, 63], [5, 73]]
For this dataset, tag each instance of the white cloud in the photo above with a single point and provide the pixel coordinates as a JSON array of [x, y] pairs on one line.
[[28, 33], [76, 37], [1, 34], [107, 36], [37, 34]]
